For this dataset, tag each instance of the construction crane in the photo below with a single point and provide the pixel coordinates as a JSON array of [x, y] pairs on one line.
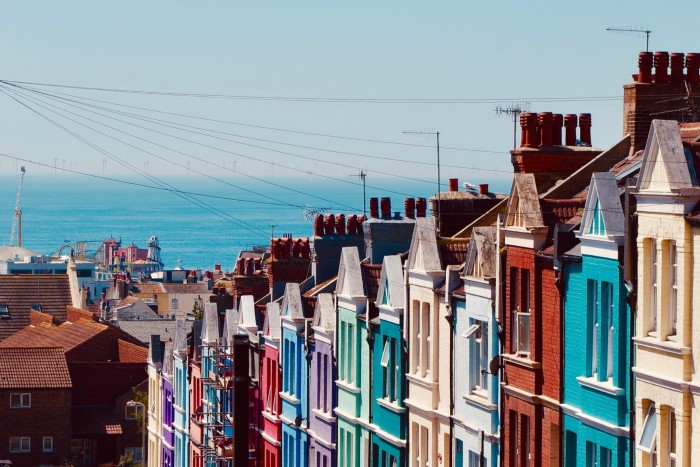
[[17, 222]]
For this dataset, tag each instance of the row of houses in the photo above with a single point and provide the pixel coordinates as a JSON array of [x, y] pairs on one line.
[[552, 327]]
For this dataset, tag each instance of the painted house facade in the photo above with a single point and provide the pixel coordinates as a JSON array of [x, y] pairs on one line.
[[211, 403], [531, 360], [181, 390], [428, 337], [247, 323], [270, 388], [155, 402], [597, 318], [476, 345], [167, 434], [389, 421], [294, 393], [322, 394], [666, 342], [352, 355]]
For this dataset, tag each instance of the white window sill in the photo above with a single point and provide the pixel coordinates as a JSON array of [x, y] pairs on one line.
[[348, 386], [423, 381], [664, 346], [479, 399], [521, 361], [291, 398], [601, 386], [271, 416], [325, 416], [391, 405]]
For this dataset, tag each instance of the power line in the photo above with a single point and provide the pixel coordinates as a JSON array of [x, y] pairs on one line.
[[261, 127], [330, 99]]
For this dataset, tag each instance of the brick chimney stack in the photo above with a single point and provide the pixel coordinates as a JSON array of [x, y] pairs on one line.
[[659, 92]]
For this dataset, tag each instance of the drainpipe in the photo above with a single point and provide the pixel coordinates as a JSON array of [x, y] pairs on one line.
[[404, 348], [307, 348], [451, 321], [499, 312], [630, 278], [370, 343]]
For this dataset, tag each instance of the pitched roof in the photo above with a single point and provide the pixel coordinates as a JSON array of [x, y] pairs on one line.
[[142, 329], [349, 273], [291, 302], [523, 204], [273, 325], [199, 287], [453, 251], [666, 166], [246, 313], [131, 353], [324, 314], [95, 421], [370, 276], [482, 254], [20, 291], [210, 324], [66, 335], [41, 367], [603, 213], [391, 283], [424, 254]]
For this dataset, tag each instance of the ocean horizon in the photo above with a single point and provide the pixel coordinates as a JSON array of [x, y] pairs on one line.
[[59, 209]]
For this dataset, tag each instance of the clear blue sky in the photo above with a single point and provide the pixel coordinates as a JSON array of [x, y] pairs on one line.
[[378, 50]]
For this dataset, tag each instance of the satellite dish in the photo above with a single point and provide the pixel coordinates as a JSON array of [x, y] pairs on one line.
[[495, 365], [297, 420]]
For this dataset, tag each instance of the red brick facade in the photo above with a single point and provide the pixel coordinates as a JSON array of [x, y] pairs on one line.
[[49, 415], [532, 386]]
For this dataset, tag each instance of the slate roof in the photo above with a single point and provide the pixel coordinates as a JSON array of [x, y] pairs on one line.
[[42, 367], [199, 287], [95, 421], [142, 329], [148, 288], [20, 291]]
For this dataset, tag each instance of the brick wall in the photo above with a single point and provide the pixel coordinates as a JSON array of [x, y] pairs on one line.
[[49, 415]]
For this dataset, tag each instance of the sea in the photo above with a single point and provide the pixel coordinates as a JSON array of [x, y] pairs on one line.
[[199, 223]]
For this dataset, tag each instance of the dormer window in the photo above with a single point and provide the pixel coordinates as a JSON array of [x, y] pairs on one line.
[[4, 312]]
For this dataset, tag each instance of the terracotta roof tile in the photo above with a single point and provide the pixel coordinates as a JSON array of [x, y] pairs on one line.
[[95, 421], [20, 291], [187, 288], [131, 353], [36, 318], [66, 335], [453, 252], [43, 367]]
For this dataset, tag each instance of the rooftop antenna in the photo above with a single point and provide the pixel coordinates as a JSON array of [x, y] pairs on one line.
[[363, 176], [272, 233], [633, 31], [513, 110], [437, 139]]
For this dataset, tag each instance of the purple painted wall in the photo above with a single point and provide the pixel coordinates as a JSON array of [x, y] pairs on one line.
[[168, 415], [322, 398]]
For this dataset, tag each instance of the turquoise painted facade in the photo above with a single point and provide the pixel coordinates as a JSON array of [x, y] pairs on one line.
[[597, 331], [388, 391], [353, 357]]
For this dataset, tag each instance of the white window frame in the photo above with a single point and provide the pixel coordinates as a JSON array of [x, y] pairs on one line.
[[609, 311], [672, 438], [595, 325], [654, 281], [20, 444], [520, 347], [673, 288], [478, 361], [24, 402], [47, 444], [385, 354], [651, 417]]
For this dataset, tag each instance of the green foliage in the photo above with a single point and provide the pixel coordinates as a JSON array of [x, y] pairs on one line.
[[197, 310], [142, 397], [127, 461]]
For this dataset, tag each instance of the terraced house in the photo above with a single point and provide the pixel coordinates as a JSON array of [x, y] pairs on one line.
[[389, 369], [476, 345], [666, 340], [294, 394], [597, 318], [352, 355]]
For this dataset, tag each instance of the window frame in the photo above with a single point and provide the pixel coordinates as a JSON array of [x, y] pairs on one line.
[[20, 440], [22, 396], [650, 417], [43, 444]]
